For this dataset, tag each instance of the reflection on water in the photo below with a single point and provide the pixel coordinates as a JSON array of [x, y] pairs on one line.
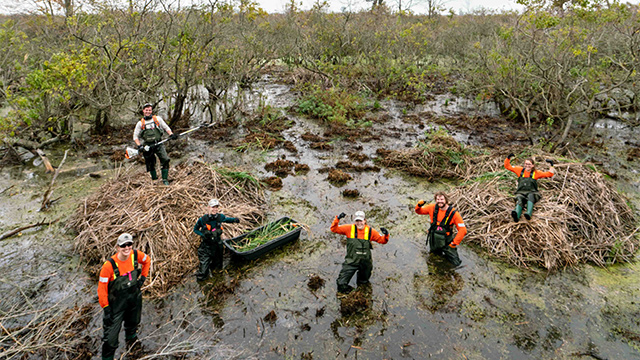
[[436, 289]]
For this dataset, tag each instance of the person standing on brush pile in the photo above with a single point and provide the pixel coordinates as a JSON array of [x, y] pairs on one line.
[[150, 129], [359, 238], [120, 296], [209, 227], [527, 192], [440, 237]]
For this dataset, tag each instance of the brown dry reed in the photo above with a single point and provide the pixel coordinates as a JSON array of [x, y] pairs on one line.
[[161, 218], [581, 218]]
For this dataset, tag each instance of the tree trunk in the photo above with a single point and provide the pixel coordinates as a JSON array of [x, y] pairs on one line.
[[177, 112], [68, 9], [564, 133], [101, 122]]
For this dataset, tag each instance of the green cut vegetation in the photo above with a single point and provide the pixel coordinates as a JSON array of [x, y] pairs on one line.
[[264, 234]]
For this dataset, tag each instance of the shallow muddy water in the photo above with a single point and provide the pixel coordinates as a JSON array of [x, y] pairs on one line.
[[419, 308]]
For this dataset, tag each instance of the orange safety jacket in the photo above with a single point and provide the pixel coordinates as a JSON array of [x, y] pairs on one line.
[[521, 172], [457, 220], [348, 230], [354, 233], [107, 274], [155, 120]]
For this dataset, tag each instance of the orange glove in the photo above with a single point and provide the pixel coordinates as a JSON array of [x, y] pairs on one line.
[[421, 203], [452, 245]]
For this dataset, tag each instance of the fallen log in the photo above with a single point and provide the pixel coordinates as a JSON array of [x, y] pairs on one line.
[[15, 231], [31, 145]]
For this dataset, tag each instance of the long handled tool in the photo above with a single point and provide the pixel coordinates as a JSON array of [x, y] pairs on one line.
[[131, 152]]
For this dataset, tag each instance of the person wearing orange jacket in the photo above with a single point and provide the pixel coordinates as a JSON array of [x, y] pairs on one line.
[[440, 237], [120, 296], [527, 192], [358, 259]]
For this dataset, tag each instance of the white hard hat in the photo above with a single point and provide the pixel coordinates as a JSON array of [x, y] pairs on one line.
[[359, 215], [124, 238]]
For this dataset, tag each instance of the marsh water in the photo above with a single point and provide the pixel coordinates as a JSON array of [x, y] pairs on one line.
[[418, 307]]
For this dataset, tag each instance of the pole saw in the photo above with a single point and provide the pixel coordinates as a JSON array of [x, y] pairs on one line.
[[131, 152]]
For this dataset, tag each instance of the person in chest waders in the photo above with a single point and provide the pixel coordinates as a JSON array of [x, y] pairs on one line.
[[440, 237], [150, 129], [358, 259], [527, 192], [209, 228], [120, 295]]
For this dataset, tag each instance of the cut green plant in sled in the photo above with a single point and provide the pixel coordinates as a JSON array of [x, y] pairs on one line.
[[268, 237]]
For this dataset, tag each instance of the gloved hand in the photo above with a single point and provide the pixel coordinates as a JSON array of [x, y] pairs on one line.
[[141, 281], [421, 203], [384, 231], [342, 215], [217, 233], [236, 221], [207, 234], [107, 315], [510, 156], [173, 136], [550, 162], [452, 245]]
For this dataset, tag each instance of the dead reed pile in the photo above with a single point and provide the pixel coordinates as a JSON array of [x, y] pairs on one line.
[[161, 218], [441, 156], [29, 330], [581, 217]]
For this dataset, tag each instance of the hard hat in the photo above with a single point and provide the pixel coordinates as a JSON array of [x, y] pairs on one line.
[[359, 215], [124, 238]]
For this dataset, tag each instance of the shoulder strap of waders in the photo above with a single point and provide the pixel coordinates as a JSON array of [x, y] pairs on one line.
[[434, 222], [354, 232], [116, 271], [155, 120], [532, 175], [448, 216]]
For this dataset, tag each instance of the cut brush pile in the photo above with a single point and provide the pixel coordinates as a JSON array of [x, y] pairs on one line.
[[161, 218], [580, 218], [441, 156]]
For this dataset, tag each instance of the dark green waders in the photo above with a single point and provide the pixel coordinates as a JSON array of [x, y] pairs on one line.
[[210, 255], [527, 194], [439, 241], [359, 260], [151, 137]]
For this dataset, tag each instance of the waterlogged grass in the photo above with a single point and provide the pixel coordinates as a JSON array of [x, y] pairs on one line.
[[237, 175]]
